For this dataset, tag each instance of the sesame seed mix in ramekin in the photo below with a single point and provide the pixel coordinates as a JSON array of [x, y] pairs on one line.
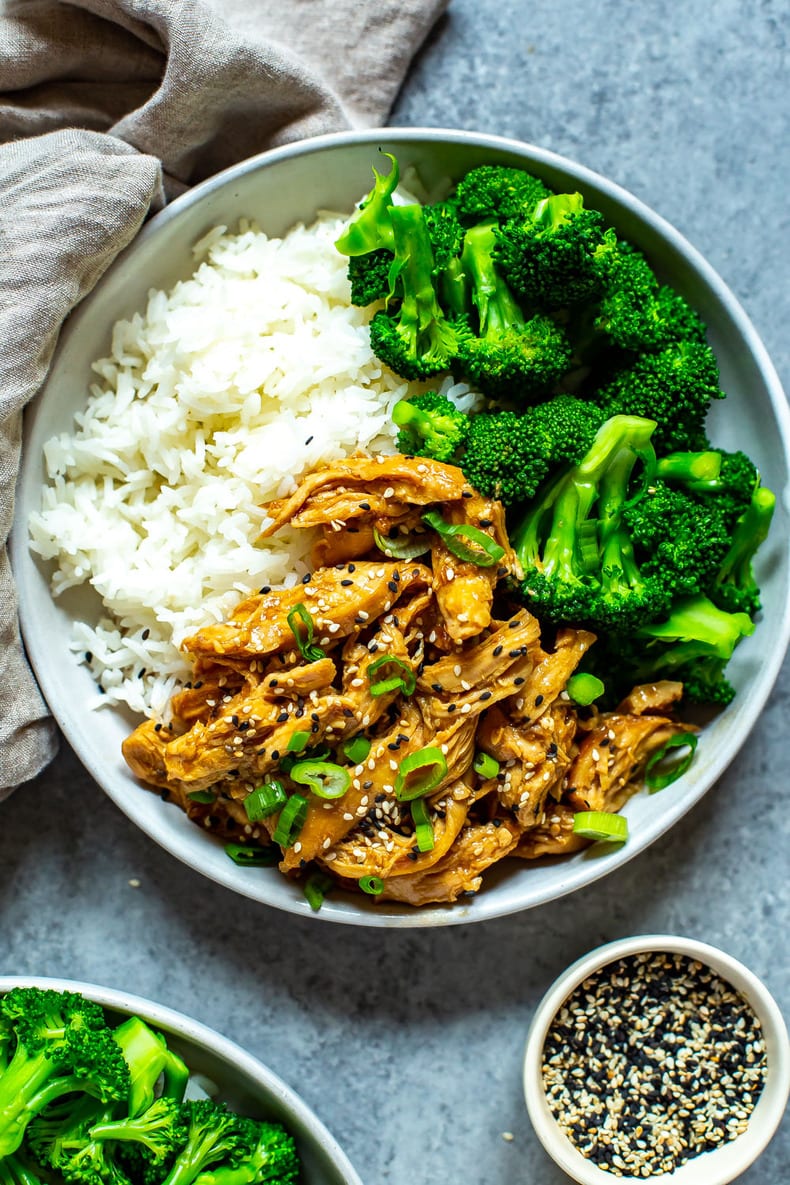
[[652, 1061]]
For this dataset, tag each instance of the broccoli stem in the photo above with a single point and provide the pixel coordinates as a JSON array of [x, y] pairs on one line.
[[371, 229], [690, 467], [750, 532], [699, 630], [421, 319], [497, 308], [27, 1086]]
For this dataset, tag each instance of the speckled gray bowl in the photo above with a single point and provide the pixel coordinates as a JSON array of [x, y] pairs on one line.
[[243, 1082], [291, 184]]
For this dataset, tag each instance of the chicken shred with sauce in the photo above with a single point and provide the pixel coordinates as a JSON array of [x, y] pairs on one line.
[[432, 663]]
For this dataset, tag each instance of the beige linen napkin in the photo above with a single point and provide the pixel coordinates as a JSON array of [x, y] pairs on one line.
[[109, 107]]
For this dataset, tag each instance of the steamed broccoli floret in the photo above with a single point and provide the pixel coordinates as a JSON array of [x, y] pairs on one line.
[[680, 537], [445, 232], [62, 1044], [509, 456], [573, 547], [694, 644], [430, 426], [272, 1161], [509, 357], [418, 341], [215, 1138], [161, 1130], [674, 386], [735, 588], [559, 256], [59, 1138], [495, 191], [369, 277], [638, 313]]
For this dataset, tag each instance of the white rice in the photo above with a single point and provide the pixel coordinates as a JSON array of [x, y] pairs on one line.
[[212, 402]]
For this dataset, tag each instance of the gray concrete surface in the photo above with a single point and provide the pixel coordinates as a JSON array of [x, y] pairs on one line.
[[409, 1044]]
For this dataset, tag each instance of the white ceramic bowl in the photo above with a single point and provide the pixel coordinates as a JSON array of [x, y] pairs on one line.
[[710, 1168], [291, 184], [244, 1083]]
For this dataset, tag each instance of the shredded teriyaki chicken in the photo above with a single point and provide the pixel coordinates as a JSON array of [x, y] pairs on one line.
[[397, 723]]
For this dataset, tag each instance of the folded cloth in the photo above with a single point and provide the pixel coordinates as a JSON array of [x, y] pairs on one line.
[[111, 107]]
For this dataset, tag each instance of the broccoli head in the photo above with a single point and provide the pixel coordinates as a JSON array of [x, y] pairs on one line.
[[495, 191], [674, 386], [637, 313], [444, 230], [430, 426], [559, 256], [508, 456], [678, 536], [272, 1161], [369, 277], [62, 1045], [215, 1137]]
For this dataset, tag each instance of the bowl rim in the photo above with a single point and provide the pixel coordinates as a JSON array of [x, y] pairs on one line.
[[197, 1033], [713, 1168], [574, 876]]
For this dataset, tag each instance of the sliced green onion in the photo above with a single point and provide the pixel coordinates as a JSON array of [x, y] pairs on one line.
[[405, 682], [325, 779], [423, 828], [250, 856], [656, 779], [429, 763], [291, 821], [302, 627], [316, 888], [372, 885], [402, 547], [266, 800], [205, 796], [584, 689], [601, 825], [356, 749], [485, 765], [297, 742], [485, 551]]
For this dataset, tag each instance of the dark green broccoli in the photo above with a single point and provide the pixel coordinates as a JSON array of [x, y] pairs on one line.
[[735, 588], [573, 546], [215, 1138], [678, 536], [674, 386], [62, 1045], [496, 191], [272, 1161], [445, 232], [694, 644], [638, 313], [417, 341], [559, 256], [509, 357], [369, 277], [430, 426], [508, 456]]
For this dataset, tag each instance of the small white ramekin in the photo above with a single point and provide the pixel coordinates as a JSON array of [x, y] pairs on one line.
[[710, 1168]]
